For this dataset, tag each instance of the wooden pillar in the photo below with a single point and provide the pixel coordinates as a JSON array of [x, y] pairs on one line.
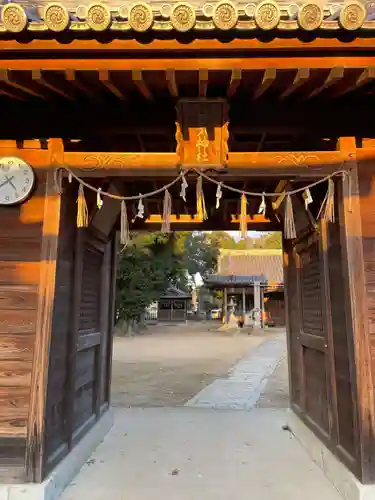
[[358, 238], [244, 302], [224, 318], [257, 301]]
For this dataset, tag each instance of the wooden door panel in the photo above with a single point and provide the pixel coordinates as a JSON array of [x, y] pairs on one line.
[[311, 339]]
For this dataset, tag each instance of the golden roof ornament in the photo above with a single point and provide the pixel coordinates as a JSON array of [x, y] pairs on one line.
[[310, 16], [141, 17], [98, 17], [183, 17], [225, 15], [267, 15], [14, 17], [56, 17], [352, 16]]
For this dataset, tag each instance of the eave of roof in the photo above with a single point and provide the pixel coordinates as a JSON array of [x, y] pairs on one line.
[[183, 17]]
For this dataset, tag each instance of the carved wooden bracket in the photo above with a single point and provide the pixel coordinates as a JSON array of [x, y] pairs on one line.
[[202, 133]]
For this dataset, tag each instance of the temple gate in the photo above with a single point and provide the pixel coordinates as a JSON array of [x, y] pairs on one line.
[[263, 98]]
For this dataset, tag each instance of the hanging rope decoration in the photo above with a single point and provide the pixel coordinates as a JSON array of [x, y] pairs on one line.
[[327, 209]]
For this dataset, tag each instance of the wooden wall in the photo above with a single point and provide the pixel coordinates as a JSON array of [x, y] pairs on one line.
[[20, 250], [76, 343]]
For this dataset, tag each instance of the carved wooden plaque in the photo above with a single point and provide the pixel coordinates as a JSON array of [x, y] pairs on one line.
[[202, 132]]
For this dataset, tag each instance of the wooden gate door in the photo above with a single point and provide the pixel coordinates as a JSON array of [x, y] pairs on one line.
[[322, 391], [91, 324], [310, 343]]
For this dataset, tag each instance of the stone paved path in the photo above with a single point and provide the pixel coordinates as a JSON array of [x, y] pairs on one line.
[[200, 454], [246, 381]]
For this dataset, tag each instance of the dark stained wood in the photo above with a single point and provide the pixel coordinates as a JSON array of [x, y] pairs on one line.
[[74, 328], [268, 78], [302, 76], [235, 82], [328, 338], [141, 85], [35, 457], [357, 228], [171, 82], [111, 317], [334, 76], [203, 82], [105, 78], [105, 294]]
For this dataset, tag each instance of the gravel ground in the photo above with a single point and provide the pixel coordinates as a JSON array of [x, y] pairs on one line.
[[168, 365]]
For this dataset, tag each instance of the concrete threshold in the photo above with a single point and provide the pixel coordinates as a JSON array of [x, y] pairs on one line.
[[53, 486]]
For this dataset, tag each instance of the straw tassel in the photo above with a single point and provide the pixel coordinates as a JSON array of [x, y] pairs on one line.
[[289, 225], [167, 210], [82, 212], [329, 207], [124, 225], [201, 205], [243, 216]]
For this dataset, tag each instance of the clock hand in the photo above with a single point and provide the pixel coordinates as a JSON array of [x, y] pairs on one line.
[[7, 181], [11, 183]]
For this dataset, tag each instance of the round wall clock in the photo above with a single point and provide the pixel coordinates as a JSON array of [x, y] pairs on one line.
[[17, 180]]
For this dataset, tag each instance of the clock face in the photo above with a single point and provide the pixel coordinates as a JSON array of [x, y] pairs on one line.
[[16, 180]]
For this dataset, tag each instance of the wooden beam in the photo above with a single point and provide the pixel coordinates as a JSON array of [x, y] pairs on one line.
[[235, 82], [72, 77], [42, 80], [139, 82], [203, 82], [366, 76], [7, 77], [9, 94], [105, 78], [334, 76], [279, 189], [121, 45], [302, 76], [188, 219], [268, 78], [186, 64], [170, 75]]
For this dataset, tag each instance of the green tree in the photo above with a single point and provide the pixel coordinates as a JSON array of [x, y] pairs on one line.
[[146, 267], [200, 254], [270, 241]]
